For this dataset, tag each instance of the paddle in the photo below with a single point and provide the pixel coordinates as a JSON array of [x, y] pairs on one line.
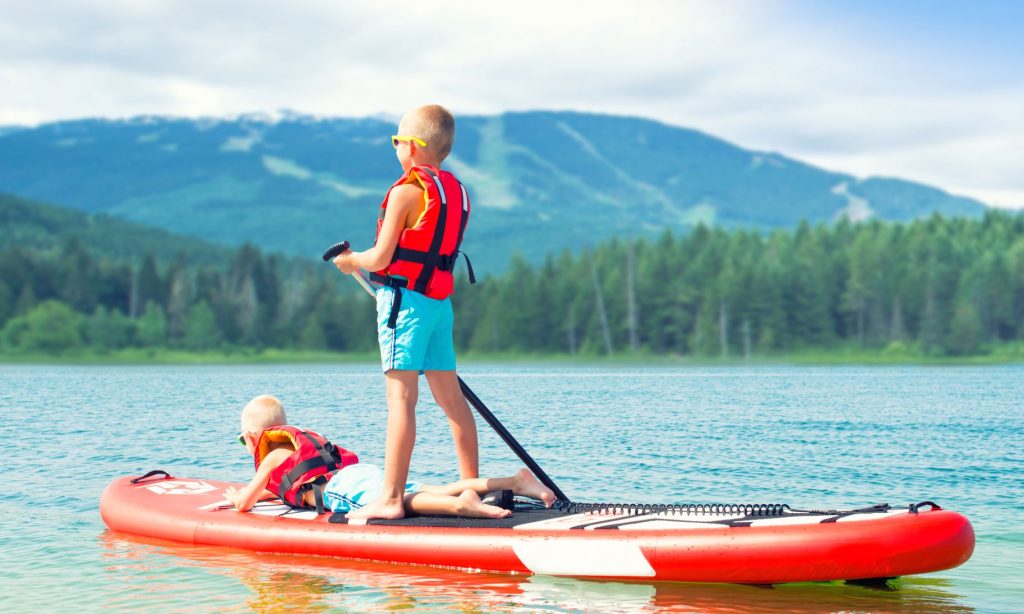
[[485, 413]]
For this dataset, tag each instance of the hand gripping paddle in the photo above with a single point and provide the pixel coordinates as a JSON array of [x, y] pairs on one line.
[[335, 250]]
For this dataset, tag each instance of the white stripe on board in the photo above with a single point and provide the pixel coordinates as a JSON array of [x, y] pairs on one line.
[[874, 516], [567, 522], [583, 557], [594, 521], [216, 504]]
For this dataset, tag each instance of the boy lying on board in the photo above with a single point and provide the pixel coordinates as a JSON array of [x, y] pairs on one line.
[[305, 470]]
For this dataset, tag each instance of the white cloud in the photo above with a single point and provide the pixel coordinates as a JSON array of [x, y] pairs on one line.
[[762, 74]]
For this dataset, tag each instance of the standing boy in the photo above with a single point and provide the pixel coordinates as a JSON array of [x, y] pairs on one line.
[[419, 231]]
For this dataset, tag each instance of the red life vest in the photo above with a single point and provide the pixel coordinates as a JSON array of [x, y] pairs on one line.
[[309, 467], [426, 253]]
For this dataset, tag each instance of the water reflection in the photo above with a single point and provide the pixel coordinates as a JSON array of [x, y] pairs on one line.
[[165, 576]]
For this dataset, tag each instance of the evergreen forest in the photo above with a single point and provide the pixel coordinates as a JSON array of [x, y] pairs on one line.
[[933, 287]]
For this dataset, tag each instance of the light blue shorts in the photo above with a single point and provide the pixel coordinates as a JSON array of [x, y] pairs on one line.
[[422, 339], [356, 485]]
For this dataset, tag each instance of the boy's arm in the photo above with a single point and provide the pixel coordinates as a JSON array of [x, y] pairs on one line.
[[402, 201], [256, 489]]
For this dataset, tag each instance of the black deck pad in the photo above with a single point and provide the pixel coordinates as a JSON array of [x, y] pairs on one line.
[[521, 515], [590, 515]]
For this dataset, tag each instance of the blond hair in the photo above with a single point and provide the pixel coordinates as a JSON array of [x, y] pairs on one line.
[[435, 125], [263, 412]]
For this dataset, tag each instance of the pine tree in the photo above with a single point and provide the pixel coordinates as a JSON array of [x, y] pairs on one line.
[[178, 300], [6, 302], [109, 330], [152, 326], [148, 286], [78, 277], [201, 332]]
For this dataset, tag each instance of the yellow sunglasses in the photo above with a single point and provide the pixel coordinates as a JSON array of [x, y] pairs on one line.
[[398, 138]]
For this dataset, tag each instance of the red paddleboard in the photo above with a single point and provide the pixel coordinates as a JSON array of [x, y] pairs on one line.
[[757, 544]]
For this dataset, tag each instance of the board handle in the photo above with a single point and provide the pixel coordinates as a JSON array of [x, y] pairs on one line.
[[152, 473], [914, 507]]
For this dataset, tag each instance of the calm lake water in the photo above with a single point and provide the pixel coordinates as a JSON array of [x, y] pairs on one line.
[[799, 435]]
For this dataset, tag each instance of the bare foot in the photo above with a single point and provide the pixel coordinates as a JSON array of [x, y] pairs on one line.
[[471, 506], [527, 485], [383, 507]]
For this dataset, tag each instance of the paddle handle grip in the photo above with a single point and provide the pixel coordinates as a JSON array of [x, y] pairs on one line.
[[339, 248], [335, 250]]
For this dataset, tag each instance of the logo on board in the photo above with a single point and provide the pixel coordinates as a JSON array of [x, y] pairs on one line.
[[181, 487]]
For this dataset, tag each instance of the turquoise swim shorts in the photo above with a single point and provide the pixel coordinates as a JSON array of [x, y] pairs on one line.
[[356, 485], [422, 339]]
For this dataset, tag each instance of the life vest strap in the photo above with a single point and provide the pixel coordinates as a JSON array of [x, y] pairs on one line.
[[464, 218], [396, 301], [317, 487], [327, 459], [469, 266], [418, 256], [288, 480], [444, 263], [318, 496], [329, 456]]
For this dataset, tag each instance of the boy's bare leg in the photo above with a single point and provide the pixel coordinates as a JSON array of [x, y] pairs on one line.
[[402, 390], [523, 483], [444, 385], [466, 503]]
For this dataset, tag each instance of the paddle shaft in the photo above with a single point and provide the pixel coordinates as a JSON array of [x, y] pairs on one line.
[[489, 418], [507, 437]]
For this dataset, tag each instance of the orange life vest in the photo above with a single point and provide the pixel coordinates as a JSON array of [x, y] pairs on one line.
[[426, 253], [309, 467]]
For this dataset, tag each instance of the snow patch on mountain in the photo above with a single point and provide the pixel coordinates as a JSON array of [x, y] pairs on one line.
[[857, 209], [285, 168], [243, 144]]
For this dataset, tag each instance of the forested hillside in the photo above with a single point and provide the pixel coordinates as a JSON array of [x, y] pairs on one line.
[[74, 281], [933, 287], [45, 228]]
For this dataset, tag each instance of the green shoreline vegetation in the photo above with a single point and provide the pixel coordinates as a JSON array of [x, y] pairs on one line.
[[931, 291], [894, 356]]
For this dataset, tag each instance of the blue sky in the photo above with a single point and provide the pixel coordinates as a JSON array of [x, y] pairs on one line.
[[981, 41], [929, 91]]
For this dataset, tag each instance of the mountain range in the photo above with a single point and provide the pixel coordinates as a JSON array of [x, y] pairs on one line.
[[42, 228], [539, 181]]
